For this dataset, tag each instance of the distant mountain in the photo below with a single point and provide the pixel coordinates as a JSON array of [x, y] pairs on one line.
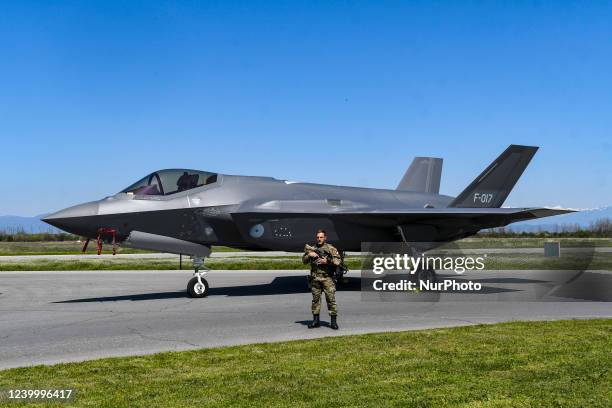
[[33, 225], [14, 223]]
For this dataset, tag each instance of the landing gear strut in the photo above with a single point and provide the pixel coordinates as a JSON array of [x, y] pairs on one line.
[[198, 286]]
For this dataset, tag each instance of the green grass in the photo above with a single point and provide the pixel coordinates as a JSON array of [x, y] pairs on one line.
[[596, 261], [487, 242], [71, 248], [567, 261], [234, 263], [521, 364], [576, 261], [55, 248]]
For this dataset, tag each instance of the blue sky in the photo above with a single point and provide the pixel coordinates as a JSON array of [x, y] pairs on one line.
[[96, 95]]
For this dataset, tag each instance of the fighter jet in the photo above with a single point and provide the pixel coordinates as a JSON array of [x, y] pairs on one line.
[[188, 211]]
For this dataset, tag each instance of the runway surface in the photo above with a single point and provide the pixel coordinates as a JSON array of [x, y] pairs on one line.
[[49, 317]]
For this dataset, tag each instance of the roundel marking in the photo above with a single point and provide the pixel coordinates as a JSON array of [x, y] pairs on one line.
[[256, 231]]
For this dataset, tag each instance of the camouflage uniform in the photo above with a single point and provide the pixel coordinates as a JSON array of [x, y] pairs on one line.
[[321, 280]]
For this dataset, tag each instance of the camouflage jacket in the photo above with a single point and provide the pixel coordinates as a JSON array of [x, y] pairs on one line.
[[326, 269]]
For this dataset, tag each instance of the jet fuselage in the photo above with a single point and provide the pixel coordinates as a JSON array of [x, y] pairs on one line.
[[212, 214]]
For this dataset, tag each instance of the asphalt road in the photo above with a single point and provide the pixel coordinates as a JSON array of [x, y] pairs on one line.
[[49, 317]]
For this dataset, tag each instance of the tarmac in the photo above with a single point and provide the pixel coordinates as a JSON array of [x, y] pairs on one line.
[[63, 316]]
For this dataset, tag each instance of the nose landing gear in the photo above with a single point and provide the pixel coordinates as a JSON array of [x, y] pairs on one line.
[[100, 239], [197, 287]]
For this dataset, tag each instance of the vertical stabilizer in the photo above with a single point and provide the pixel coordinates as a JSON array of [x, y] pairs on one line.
[[491, 188], [423, 175]]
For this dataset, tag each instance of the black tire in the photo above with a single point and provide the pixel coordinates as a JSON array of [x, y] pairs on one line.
[[428, 275], [196, 292]]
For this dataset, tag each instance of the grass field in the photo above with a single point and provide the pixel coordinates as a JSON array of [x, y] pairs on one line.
[[596, 261], [486, 242], [55, 248], [234, 263], [73, 247], [494, 261], [521, 364], [69, 248]]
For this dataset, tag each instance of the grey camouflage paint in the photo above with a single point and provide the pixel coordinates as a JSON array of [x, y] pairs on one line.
[[263, 213]]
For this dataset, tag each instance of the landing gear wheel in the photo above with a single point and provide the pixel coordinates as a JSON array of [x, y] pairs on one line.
[[427, 275], [197, 289]]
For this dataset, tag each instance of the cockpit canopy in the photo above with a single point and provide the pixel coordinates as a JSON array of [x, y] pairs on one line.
[[166, 182]]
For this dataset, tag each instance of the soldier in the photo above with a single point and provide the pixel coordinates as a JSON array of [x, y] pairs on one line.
[[322, 266]]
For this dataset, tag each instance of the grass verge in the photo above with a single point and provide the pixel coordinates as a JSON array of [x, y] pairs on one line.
[[74, 247], [593, 261], [527, 242], [520, 364]]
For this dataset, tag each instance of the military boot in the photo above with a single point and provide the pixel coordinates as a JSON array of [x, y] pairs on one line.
[[315, 322], [333, 324]]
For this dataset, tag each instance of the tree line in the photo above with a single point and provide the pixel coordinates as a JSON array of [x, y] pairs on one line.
[[22, 236], [601, 228]]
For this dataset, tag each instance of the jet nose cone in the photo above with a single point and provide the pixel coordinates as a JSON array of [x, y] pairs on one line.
[[78, 219], [80, 210]]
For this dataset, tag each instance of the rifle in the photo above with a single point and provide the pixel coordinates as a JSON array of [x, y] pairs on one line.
[[320, 253], [335, 272]]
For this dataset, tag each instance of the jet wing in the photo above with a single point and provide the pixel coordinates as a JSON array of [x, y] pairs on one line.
[[466, 218], [477, 216], [419, 214]]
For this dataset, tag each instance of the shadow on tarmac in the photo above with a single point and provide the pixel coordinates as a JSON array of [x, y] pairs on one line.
[[282, 285], [307, 322]]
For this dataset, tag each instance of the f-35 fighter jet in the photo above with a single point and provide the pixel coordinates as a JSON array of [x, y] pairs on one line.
[[188, 211]]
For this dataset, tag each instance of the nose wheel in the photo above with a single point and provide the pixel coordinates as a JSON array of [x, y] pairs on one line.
[[427, 275], [197, 287]]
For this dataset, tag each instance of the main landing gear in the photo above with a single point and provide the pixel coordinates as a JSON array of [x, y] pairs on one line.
[[427, 275], [197, 287]]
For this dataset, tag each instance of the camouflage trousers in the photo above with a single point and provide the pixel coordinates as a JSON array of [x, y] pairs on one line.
[[323, 284]]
